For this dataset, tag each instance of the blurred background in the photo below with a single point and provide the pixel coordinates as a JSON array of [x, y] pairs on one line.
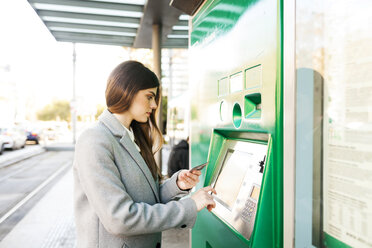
[[36, 81]]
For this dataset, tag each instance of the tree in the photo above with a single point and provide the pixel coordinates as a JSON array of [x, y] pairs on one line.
[[100, 109], [57, 110]]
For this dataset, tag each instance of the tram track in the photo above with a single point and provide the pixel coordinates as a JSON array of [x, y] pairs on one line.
[[22, 166], [23, 184], [34, 192]]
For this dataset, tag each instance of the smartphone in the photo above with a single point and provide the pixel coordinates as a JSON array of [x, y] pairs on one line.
[[199, 167]]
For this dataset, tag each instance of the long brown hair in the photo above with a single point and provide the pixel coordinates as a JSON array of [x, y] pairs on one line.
[[123, 84]]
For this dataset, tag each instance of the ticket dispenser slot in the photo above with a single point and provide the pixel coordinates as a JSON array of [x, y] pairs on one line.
[[237, 179], [252, 106]]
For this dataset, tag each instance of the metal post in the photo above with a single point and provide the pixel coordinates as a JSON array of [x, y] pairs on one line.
[[156, 48], [73, 102], [170, 90], [289, 118]]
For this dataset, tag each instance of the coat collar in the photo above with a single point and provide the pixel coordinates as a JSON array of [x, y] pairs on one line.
[[113, 124], [115, 127]]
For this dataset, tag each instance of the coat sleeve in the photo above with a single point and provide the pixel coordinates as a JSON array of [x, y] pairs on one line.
[[100, 180], [169, 189]]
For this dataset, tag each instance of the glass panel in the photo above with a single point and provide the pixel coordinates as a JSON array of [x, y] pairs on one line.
[[333, 124]]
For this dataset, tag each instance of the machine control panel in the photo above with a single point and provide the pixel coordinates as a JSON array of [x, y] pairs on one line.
[[237, 180], [249, 211]]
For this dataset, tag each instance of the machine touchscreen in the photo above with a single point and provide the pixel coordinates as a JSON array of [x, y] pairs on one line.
[[231, 177]]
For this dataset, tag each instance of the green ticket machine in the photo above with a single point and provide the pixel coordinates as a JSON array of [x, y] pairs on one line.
[[236, 121]]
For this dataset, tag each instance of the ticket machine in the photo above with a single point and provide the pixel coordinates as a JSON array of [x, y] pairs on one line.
[[236, 121]]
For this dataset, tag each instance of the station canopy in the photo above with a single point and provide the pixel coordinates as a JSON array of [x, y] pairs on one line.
[[113, 22]]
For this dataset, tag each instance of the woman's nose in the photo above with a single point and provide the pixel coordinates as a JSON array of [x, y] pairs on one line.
[[153, 105]]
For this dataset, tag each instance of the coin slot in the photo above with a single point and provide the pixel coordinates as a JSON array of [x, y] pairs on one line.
[[237, 115]]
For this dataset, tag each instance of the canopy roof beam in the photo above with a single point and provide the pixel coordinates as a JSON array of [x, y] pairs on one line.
[[90, 4], [64, 25], [90, 17]]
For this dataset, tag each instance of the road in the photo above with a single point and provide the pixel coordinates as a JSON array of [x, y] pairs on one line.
[[22, 184]]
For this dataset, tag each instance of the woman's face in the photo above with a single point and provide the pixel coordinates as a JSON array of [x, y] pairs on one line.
[[143, 104]]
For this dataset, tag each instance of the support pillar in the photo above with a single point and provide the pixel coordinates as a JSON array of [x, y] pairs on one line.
[[156, 48], [73, 102]]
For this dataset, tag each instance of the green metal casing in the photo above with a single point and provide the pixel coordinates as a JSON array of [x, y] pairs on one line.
[[236, 93]]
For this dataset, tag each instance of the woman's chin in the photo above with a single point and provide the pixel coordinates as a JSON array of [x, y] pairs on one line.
[[143, 120]]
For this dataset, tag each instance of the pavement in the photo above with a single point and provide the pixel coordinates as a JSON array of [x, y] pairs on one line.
[[50, 223]]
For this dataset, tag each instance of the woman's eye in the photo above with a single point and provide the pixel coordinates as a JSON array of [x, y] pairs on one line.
[[149, 97]]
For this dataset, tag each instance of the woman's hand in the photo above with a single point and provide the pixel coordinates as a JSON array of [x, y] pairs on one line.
[[187, 180], [204, 199]]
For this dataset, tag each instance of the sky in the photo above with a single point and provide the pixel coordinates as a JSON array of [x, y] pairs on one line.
[[42, 67]]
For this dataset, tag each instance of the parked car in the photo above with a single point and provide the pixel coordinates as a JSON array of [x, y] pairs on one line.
[[2, 144], [15, 137], [34, 136]]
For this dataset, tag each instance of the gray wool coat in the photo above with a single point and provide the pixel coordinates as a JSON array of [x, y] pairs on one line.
[[117, 202]]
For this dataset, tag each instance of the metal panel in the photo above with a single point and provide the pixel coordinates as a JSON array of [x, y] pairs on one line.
[[91, 4], [182, 23], [92, 17], [94, 41], [51, 25], [180, 32], [95, 37]]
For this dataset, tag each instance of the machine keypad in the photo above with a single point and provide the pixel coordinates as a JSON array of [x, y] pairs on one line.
[[248, 210]]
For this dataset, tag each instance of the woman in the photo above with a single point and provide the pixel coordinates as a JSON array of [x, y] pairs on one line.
[[118, 199]]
